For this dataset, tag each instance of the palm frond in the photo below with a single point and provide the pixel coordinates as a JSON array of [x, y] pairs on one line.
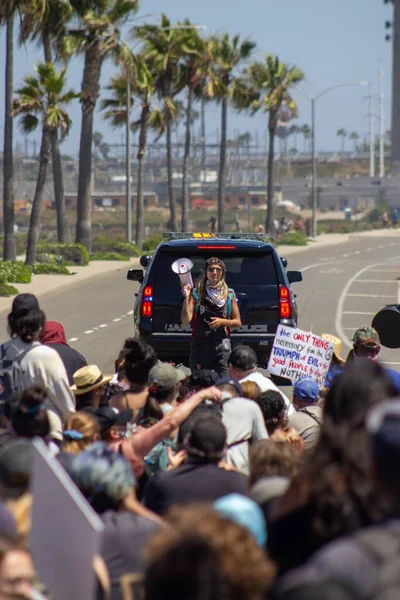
[[28, 123]]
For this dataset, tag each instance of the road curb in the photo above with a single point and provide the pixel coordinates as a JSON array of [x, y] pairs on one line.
[[43, 285]]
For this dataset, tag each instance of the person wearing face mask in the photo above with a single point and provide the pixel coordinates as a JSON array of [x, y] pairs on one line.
[[367, 345], [164, 386], [212, 309]]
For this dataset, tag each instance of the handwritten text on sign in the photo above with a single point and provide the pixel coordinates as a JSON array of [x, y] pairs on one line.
[[297, 354]]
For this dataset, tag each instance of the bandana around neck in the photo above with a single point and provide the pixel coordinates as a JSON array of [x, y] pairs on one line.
[[216, 294]]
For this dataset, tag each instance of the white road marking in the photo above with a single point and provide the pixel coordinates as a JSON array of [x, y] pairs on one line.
[[73, 339], [301, 271], [368, 250], [356, 312], [130, 312], [88, 331], [376, 281], [116, 320], [380, 247], [392, 244], [357, 252], [102, 325], [123, 316], [390, 363], [340, 305], [368, 296], [344, 255]]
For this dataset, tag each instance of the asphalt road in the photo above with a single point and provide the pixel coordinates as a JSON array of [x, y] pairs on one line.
[[343, 287]]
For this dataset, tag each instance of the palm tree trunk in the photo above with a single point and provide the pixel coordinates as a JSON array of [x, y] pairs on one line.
[[34, 221], [203, 137], [171, 198], [9, 249], [342, 144], [63, 231], [144, 120], [90, 93], [222, 164], [269, 223], [186, 157]]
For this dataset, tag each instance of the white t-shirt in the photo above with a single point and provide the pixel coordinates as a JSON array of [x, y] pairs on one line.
[[265, 384], [245, 425]]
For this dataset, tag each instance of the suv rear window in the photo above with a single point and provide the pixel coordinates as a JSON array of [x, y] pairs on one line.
[[244, 269]]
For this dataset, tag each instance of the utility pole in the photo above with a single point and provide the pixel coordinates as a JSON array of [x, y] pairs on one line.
[[371, 134], [395, 38], [128, 213], [381, 126]]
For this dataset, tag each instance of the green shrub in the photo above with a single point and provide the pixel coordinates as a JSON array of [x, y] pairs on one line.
[[7, 290], [48, 259], [14, 272], [75, 254], [293, 238], [151, 243], [50, 269], [107, 244], [108, 256]]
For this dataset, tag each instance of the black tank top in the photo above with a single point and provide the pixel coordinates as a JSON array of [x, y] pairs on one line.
[[207, 311]]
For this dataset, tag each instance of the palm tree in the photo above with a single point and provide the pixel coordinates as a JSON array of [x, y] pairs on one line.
[[143, 89], [294, 130], [164, 46], [227, 55], [44, 20], [354, 137], [342, 133], [306, 131], [196, 64], [272, 80], [8, 8], [97, 39], [42, 101]]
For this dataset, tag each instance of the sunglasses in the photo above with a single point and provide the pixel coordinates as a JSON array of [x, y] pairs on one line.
[[212, 269]]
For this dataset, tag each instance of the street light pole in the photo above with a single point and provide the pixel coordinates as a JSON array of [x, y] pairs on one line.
[[128, 163], [314, 171], [313, 100]]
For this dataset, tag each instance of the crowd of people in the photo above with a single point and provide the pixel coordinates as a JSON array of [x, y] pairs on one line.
[[208, 487]]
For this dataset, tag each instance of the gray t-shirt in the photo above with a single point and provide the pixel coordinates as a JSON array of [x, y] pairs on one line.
[[307, 423], [245, 425]]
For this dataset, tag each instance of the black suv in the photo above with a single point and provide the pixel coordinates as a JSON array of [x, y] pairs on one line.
[[254, 270]]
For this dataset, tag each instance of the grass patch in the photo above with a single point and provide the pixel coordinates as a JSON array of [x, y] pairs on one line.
[[14, 272], [151, 243], [50, 269], [107, 244], [109, 256], [7, 290], [292, 238]]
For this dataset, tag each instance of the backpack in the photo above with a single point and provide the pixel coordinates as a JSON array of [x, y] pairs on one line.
[[10, 373], [227, 311], [382, 544]]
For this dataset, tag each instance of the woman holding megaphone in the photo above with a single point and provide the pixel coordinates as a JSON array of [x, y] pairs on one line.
[[212, 309]]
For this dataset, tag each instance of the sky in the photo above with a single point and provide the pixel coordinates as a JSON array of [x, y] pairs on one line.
[[332, 42]]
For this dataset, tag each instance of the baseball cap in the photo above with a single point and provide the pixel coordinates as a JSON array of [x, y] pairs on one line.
[[164, 377], [306, 389], [16, 466], [230, 381], [24, 303], [110, 417], [245, 512], [366, 336], [203, 378], [207, 437], [383, 428], [243, 358]]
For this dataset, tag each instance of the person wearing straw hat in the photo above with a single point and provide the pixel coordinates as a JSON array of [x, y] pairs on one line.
[[337, 363], [90, 387]]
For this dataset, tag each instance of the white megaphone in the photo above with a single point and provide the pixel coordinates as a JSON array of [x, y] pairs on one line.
[[182, 267]]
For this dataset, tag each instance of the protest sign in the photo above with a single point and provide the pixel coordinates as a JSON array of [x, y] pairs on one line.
[[66, 532], [297, 354]]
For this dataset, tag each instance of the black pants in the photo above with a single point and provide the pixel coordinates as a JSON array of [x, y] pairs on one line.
[[210, 354]]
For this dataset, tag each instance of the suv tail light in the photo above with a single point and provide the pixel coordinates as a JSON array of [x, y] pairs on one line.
[[285, 306], [147, 302]]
